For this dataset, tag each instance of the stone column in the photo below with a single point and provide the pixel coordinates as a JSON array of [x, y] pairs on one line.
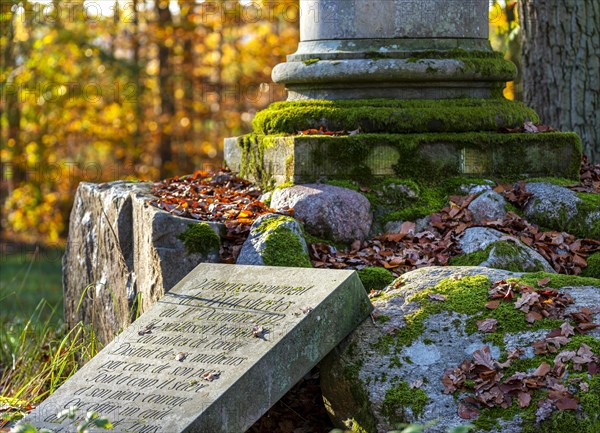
[[414, 90], [408, 49]]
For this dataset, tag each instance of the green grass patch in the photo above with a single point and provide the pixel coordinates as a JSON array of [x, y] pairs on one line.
[[26, 277]]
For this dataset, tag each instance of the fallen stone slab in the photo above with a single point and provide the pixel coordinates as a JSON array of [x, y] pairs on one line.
[[215, 352]]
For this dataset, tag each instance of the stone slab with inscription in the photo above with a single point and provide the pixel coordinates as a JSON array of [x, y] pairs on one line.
[[215, 352]]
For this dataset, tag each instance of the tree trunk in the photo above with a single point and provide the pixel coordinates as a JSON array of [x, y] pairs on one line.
[[11, 104], [561, 66], [166, 90]]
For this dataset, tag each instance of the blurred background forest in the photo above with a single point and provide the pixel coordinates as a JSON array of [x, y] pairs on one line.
[[137, 89]]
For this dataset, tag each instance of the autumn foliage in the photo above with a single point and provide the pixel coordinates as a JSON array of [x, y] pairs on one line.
[[101, 91]]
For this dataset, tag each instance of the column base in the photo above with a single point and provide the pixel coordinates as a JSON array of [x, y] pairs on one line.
[[274, 160]]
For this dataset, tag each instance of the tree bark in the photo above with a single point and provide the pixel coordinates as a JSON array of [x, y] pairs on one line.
[[166, 89], [561, 66]]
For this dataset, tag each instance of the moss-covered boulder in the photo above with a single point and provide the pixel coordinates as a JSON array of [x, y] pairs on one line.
[[483, 246], [374, 278], [275, 240], [593, 266], [559, 208], [395, 368]]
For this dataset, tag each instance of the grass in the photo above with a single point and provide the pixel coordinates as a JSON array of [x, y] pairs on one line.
[[26, 276], [37, 352]]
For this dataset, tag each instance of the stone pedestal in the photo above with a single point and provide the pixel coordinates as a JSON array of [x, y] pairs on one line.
[[397, 68], [354, 49]]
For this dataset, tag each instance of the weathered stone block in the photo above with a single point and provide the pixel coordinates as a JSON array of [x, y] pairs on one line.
[[122, 254], [216, 352], [306, 159]]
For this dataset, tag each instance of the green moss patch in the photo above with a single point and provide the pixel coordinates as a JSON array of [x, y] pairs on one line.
[[375, 278], [583, 225], [363, 420], [282, 245], [593, 267], [558, 281], [393, 116], [200, 239], [468, 296], [399, 398]]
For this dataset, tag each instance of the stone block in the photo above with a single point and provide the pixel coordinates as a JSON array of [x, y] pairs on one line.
[[122, 255], [216, 352], [308, 159]]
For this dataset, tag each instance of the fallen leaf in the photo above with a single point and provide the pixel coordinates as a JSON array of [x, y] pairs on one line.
[[567, 403], [487, 325], [210, 376], [492, 305], [544, 282], [467, 412], [258, 331], [532, 316], [524, 399], [437, 297], [566, 329], [542, 370]]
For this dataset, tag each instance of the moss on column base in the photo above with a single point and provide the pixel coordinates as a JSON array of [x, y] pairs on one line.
[[393, 116], [272, 160]]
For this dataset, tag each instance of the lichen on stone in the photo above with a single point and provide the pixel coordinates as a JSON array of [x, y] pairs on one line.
[[465, 300], [200, 238]]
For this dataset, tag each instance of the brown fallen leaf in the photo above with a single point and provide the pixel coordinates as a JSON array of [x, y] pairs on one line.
[[533, 316], [487, 325], [210, 376], [492, 305], [566, 329], [586, 327], [467, 412], [258, 331], [544, 281], [524, 399], [567, 403], [542, 370]]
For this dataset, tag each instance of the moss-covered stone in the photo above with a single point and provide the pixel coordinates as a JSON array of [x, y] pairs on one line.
[[402, 397], [557, 208], [282, 245], [393, 116], [415, 332], [433, 156], [363, 420], [507, 255], [374, 278], [593, 267], [587, 222], [200, 239]]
